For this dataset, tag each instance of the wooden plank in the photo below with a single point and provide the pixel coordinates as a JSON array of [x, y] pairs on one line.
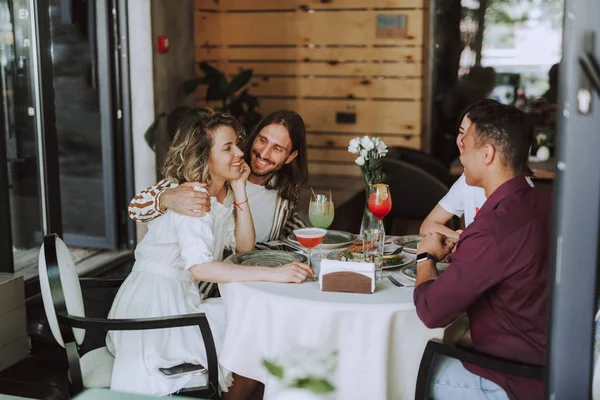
[[300, 4], [324, 28], [347, 169], [329, 140], [338, 87], [372, 117], [366, 69], [413, 54], [327, 155], [390, 117]]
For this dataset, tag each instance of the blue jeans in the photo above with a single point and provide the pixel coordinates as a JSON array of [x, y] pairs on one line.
[[451, 380]]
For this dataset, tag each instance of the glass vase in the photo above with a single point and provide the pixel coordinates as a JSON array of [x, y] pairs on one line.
[[368, 220]]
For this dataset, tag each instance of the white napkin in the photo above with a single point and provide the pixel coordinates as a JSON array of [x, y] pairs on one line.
[[363, 268]]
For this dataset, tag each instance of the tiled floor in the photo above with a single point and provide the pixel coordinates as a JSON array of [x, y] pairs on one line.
[[43, 375]]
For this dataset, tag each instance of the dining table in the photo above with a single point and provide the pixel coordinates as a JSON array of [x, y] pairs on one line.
[[378, 337]]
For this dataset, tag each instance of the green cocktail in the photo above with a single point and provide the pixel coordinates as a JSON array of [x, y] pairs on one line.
[[321, 213]]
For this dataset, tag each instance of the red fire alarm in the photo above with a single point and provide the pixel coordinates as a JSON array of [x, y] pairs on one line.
[[163, 44]]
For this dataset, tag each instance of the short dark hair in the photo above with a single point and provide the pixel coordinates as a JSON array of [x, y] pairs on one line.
[[489, 103], [295, 174], [506, 128]]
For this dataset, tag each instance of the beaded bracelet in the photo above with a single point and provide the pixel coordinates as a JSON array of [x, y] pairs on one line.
[[239, 205]]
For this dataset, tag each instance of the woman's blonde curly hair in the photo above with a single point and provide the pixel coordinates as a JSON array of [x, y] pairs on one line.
[[187, 159]]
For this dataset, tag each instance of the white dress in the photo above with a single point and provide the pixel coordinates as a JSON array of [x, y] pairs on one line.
[[159, 285]]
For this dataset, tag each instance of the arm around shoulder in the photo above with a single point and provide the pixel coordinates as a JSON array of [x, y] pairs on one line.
[[145, 206]]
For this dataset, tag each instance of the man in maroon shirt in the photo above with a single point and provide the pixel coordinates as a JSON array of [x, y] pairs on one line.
[[499, 270]]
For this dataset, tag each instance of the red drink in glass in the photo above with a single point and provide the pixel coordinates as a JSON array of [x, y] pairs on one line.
[[310, 242], [378, 206]]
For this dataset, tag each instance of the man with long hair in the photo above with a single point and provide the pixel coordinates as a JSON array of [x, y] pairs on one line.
[[276, 154]]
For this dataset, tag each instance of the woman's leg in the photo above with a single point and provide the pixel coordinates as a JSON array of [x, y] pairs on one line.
[[243, 389]]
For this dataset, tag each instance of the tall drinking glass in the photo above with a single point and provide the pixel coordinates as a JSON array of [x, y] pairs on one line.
[[380, 204], [309, 238], [320, 212]]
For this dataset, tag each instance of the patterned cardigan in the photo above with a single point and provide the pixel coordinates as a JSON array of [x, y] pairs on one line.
[[145, 206]]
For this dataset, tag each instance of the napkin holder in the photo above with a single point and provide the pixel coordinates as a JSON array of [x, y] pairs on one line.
[[347, 277]]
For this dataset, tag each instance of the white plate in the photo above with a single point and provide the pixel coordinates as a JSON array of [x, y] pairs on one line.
[[409, 243], [410, 271]]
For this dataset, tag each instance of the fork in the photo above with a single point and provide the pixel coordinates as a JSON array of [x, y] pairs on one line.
[[394, 281]]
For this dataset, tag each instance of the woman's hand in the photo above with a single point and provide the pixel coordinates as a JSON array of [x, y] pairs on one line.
[[295, 272], [241, 181]]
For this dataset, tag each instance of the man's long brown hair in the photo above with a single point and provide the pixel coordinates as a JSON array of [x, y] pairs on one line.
[[292, 176]]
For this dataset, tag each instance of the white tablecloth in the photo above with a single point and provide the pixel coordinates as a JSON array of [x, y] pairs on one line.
[[379, 337]]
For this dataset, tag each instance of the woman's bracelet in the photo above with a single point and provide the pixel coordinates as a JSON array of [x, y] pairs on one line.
[[239, 205]]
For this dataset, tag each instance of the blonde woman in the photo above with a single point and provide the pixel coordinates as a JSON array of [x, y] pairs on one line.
[[180, 250]]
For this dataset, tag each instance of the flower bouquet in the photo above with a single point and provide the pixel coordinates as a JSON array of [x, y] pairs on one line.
[[370, 152], [305, 372]]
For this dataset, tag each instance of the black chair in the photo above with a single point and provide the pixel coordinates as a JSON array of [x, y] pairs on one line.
[[436, 346], [63, 304], [424, 161], [415, 192]]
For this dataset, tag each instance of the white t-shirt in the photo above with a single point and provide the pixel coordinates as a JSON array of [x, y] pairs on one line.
[[262, 204], [465, 199]]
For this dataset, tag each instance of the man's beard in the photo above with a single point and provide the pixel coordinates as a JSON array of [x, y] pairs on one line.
[[270, 172]]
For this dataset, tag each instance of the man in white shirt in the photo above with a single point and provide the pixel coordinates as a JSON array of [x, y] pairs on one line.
[[276, 154]]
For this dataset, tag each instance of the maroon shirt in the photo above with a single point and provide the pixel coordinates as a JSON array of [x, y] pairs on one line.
[[499, 276]]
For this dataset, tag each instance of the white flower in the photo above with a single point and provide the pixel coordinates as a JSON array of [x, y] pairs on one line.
[[360, 160], [353, 147], [365, 154], [367, 143], [382, 148]]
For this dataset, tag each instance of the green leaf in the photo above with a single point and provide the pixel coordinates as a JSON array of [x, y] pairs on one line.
[[150, 134], [274, 369], [190, 85], [240, 80], [208, 69], [318, 386], [219, 90]]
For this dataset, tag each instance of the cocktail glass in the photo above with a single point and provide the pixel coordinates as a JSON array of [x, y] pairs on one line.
[[321, 211], [310, 238]]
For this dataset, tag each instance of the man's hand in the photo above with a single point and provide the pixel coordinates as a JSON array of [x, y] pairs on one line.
[[436, 244], [185, 200]]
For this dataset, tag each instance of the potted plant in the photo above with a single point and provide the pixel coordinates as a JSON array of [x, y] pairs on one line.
[[233, 95]]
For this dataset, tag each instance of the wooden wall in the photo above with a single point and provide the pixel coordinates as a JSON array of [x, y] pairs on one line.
[[348, 67]]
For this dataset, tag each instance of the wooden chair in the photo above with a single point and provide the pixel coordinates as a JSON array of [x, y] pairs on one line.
[[63, 303], [436, 346]]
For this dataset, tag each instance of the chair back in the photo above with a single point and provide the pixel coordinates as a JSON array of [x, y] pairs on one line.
[[60, 287], [424, 161], [414, 191], [596, 360]]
